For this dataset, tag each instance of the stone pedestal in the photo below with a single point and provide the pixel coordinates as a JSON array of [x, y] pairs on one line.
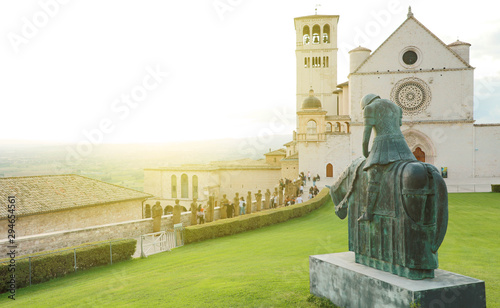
[[349, 284]]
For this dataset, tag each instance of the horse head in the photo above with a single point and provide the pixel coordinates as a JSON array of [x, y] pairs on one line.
[[342, 189]]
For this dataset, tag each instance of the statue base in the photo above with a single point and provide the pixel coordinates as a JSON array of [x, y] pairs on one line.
[[348, 284]]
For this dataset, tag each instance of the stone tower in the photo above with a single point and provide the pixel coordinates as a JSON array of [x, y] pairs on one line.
[[316, 55]]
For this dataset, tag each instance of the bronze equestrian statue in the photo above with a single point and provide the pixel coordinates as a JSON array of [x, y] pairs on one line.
[[397, 205]]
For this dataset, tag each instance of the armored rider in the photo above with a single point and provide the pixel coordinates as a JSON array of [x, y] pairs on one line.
[[389, 145]]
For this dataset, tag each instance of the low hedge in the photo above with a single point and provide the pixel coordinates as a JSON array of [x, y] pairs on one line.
[[495, 187], [58, 263], [224, 227]]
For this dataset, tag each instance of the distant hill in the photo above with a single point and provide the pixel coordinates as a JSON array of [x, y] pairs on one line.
[[123, 164]]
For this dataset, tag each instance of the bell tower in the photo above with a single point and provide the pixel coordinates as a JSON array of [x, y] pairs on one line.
[[316, 59]]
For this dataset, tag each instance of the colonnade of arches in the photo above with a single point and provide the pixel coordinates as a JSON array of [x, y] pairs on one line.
[[184, 186], [317, 36], [169, 209], [340, 127]]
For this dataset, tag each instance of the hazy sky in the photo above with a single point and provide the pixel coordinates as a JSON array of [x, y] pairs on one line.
[[157, 71]]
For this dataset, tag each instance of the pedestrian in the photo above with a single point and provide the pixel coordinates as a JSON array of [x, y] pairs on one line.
[[299, 199], [201, 214], [315, 191], [242, 206]]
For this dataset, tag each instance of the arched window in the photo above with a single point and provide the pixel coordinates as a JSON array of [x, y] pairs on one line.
[[328, 127], [347, 127], [305, 35], [168, 210], [173, 181], [311, 127], [327, 62], [329, 171], [195, 186], [184, 186], [319, 61], [419, 154], [148, 211], [316, 34], [326, 34], [305, 62], [337, 127]]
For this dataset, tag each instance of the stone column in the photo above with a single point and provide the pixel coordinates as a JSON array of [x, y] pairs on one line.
[[280, 197], [268, 199], [258, 199], [236, 204], [248, 208], [176, 218], [210, 212], [157, 213], [223, 207], [194, 210]]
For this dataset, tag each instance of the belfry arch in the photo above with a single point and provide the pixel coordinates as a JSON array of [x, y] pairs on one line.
[[421, 145]]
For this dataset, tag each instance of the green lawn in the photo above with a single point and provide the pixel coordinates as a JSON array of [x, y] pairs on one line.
[[266, 267]]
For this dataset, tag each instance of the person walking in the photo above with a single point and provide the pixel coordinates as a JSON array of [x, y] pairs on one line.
[[242, 206]]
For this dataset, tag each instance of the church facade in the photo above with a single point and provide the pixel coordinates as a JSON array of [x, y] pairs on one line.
[[431, 81]]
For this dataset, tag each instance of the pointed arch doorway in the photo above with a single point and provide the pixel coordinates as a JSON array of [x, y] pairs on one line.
[[419, 154]]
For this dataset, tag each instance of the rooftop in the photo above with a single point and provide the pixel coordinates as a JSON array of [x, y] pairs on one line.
[[51, 193]]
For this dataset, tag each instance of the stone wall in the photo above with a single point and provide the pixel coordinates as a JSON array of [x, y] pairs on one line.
[[74, 218], [71, 237]]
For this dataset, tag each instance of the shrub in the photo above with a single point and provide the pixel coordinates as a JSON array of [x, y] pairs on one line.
[[57, 263], [224, 227], [495, 187]]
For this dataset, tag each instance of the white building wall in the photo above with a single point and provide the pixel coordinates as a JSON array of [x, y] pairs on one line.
[[487, 151], [242, 181], [314, 156]]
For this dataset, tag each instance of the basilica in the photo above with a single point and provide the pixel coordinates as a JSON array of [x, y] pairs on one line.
[[433, 83]]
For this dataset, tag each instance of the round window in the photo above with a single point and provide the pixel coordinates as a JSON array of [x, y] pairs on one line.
[[410, 57]]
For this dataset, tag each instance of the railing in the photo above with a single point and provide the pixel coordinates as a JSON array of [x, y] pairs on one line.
[[75, 264], [156, 242]]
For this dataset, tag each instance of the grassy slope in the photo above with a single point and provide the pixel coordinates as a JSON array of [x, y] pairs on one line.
[[265, 267]]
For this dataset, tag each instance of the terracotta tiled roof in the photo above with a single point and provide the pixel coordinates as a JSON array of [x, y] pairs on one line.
[[277, 152], [457, 43], [43, 194], [291, 157], [359, 48]]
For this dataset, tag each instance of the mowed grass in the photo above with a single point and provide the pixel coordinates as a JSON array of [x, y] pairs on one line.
[[268, 267]]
